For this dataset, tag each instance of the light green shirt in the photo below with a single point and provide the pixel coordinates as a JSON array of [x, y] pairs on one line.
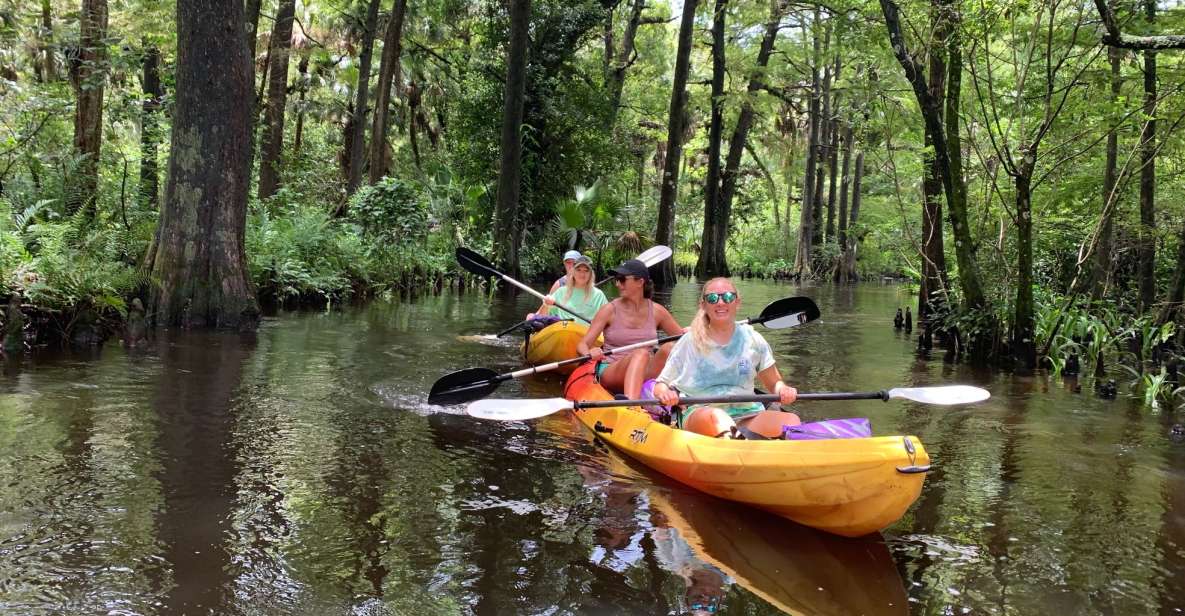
[[584, 303]]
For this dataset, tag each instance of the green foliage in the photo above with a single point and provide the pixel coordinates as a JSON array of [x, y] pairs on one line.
[[392, 209], [70, 273]]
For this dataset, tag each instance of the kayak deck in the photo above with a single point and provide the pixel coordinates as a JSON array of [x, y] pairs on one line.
[[848, 487], [556, 342]]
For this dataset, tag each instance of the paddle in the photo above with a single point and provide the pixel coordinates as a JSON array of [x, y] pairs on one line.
[[650, 256], [523, 409], [478, 265], [474, 383]]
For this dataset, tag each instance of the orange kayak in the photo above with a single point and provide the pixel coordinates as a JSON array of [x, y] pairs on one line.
[[848, 487]]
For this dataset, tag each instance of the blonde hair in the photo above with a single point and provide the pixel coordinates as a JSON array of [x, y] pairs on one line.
[[699, 323], [571, 284]]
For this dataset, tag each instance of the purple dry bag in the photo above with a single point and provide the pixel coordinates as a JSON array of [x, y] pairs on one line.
[[858, 427]]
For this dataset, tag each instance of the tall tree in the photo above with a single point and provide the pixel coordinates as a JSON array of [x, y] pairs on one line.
[[712, 260], [853, 242], [1101, 270], [841, 273], [933, 251], [506, 224], [88, 72], [1147, 236], [1049, 56], [150, 127], [806, 223], [199, 258], [664, 275], [946, 155], [277, 100], [711, 256], [390, 75], [361, 93], [49, 70], [822, 142], [251, 9]]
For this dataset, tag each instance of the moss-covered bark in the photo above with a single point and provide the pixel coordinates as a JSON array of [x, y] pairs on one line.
[[200, 264]]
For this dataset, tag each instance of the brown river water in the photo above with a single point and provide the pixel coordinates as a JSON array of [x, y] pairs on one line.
[[299, 470]]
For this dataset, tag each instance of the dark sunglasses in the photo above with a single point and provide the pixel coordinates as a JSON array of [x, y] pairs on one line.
[[622, 279], [727, 297]]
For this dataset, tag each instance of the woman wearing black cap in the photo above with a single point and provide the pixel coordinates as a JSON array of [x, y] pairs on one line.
[[629, 319]]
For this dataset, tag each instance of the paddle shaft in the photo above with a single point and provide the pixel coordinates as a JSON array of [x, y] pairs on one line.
[[866, 395], [493, 272]]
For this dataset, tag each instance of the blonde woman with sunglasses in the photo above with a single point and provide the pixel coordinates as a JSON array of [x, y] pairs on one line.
[[722, 358], [631, 318]]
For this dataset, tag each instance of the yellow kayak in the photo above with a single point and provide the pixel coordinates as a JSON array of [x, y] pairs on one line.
[[848, 487], [556, 342]]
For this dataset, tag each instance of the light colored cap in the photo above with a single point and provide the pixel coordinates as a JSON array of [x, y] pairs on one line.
[[571, 255]]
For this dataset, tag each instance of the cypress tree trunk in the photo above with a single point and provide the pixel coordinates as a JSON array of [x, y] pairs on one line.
[[933, 251], [358, 139], [1147, 237], [150, 128], [806, 221], [1024, 344], [506, 231], [664, 273], [49, 71], [711, 253], [277, 100], [821, 154], [389, 75], [303, 88], [251, 12], [1176, 295], [947, 150], [199, 258], [841, 271], [89, 72], [832, 177], [853, 242], [1101, 277]]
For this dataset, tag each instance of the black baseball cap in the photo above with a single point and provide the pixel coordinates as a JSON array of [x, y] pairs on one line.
[[633, 267]]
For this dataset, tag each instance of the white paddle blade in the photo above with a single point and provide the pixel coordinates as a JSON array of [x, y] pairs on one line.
[[948, 394], [655, 254], [516, 410], [791, 320]]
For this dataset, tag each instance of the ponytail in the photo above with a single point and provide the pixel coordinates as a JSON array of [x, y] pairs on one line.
[[699, 331]]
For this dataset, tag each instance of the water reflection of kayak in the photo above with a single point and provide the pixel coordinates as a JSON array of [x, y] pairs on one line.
[[713, 543], [796, 569]]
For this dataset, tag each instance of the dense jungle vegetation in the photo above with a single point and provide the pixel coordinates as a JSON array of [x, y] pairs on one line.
[[1019, 162]]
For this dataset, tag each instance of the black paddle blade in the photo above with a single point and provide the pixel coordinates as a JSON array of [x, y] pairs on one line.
[[475, 263], [464, 386], [804, 307]]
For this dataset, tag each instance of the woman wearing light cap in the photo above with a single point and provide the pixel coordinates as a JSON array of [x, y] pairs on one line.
[[631, 318], [570, 258], [580, 293]]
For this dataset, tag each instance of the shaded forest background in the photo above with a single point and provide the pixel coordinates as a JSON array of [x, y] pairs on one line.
[[1017, 163]]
